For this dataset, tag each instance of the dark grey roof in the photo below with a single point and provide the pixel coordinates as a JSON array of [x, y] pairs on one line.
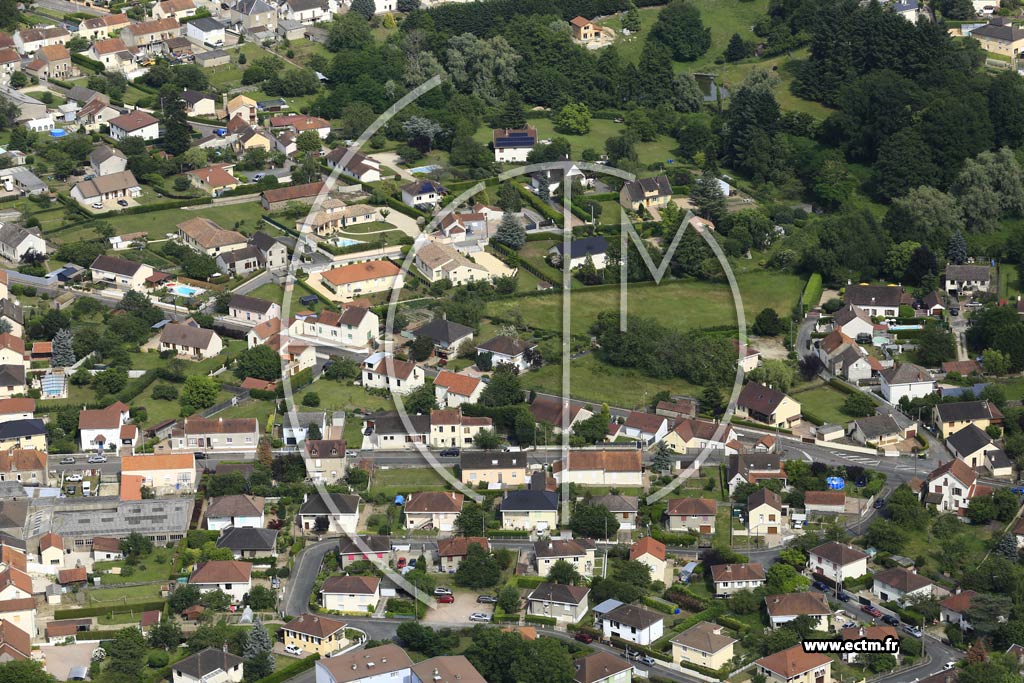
[[877, 425], [112, 264], [263, 241], [301, 5], [559, 592], [245, 538], [12, 375], [252, 7], [970, 439], [316, 505], [999, 31], [11, 309], [194, 97], [206, 662], [520, 500], [613, 502], [13, 514], [391, 423], [214, 54], [18, 428], [207, 24], [443, 331], [584, 247], [377, 544], [636, 189], [964, 411], [874, 295], [236, 255], [633, 615], [907, 373], [744, 463], [250, 303]]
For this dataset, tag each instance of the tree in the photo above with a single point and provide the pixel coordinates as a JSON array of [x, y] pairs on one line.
[[662, 458], [484, 67], [311, 400], [471, 520], [934, 346], [421, 348], [995, 362], [737, 49], [886, 536], [126, 653], [774, 373], [136, 545], [783, 578], [422, 130], [349, 31], [183, 597], [707, 196], [487, 440], [27, 670], [957, 251], [165, 635], [261, 362], [364, 8], [573, 119], [110, 381], [631, 21], [563, 572], [421, 401], [198, 393], [261, 598], [858, 404], [511, 232], [767, 324], [308, 141], [63, 349], [679, 27], [508, 599], [509, 199], [593, 521], [259, 662], [478, 569]]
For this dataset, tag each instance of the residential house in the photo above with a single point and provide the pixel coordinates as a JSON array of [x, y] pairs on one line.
[[692, 514], [653, 192], [620, 468], [206, 237], [448, 336], [783, 609], [298, 123], [764, 513], [199, 104], [105, 188], [355, 164], [51, 62], [345, 283], [852, 321], [212, 435], [10, 61], [602, 667], [135, 124], [356, 327], [236, 511], [15, 408], [376, 549], [105, 548], [553, 412], [896, 584], [19, 434], [306, 12], [95, 113], [628, 622], [529, 510], [579, 553], [12, 352], [106, 26], [692, 435], [585, 31], [1000, 36], [933, 304], [315, 634], [703, 644], [241, 107], [25, 465], [624, 508], [190, 341], [451, 551], [229, 576], [340, 510], [976, 448], [273, 252], [433, 510], [751, 468], [15, 643], [841, 356], [837, 562], [248, 542], [164, 474], [384, 371], [149, 36], [178, 9], [389, 430], [950, 418], [450, 428], [953, 609], [793, 665], [324, 459], [278, 198], [101, 429], [107, 160], [206, 31], [51, 549], [211, 665], [121, 273], [513, 145], [770, 406], [647, 428], [860, 633], [358, 594], [437, 261], [733, 578], [493, 467], [251, 309], [906, 380], [650, 552], [960, 280], [30, 40], [215, 178], [374, 665], [113, 54], [824, 502], [593, 248], [566, 604], [879, 430], [951, 486], [17, 241], [505, 349], [334, 215], [423, 193], [877, 301]]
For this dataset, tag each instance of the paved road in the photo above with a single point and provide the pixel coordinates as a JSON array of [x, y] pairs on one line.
[[300, 584]]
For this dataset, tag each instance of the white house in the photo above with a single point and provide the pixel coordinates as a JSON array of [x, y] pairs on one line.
[[785, 608], [205, 30], [593, 248], [852, 321], [577, 552], [453, 389], [628, 622], [513, 145], [906, 380], [953, 609], [16, 241], [967, 278], [101, 429], [350, 593], [423, 193], [238, 511], [228, 576], [732, 578], [212, 665], [135, 124], [646, 427], [896, 584], [620, 468], [837, 562], [251, 309], [951, 486], [505, 349], [339, 510], [383, 371]]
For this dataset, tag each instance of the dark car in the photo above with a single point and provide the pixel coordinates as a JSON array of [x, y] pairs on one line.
[[199, 455], [879, 504], [486, 599], [891, 620], [864, 338], [843, 596], [861, 482], [954, 311], [450, 453], [122, 202], [368, 431], [822, 586], [584, 637], [871, 609]]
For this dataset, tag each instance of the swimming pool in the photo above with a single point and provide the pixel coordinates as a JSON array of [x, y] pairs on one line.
[[905, 328], [425, 169], [345, 242], [179, 289]]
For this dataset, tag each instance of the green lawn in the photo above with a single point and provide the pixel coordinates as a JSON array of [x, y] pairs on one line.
[[823, 402], [269, 291], [593, 380], [231, 74], [54, 100], [261, 410], [335, 395], [149, 568], [1014, 388], [534, 252], [121, 595], [685, 305], [1009, 281], [405, 480]]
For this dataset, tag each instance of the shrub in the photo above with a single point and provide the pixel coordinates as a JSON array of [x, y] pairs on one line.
[[158, 658]]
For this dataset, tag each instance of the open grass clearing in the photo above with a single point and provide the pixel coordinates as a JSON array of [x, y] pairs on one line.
[[823, 401]]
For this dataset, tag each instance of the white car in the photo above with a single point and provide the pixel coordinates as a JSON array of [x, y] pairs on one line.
[[479, 616], [441, 590], [93, 459], [293, 650], [73, 477], [352, 454], [97, 205], [948, 665]]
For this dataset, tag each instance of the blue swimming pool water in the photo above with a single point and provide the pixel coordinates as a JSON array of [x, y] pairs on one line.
[[179, 289], [905, 328], [424, 169], [345, 242]]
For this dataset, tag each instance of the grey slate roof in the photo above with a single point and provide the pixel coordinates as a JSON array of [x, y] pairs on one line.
[[969, 440], [316, 505], [443, 331], [877, 425], [245, 538], [206, 662], [526, 500]]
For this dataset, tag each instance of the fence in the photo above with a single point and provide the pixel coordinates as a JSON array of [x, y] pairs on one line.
[[224, 405]]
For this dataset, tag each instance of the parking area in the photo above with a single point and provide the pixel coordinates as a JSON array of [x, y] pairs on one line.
[[458, 611], [60, 659]]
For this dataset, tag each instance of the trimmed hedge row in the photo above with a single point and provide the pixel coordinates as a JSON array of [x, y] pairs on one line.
[[506, 253], [535, 203], [86, 63], [812, 292], [507, 533], [543, 621], [112, 609], [529, 581], [291, 670], [660, 605], [842, 386]]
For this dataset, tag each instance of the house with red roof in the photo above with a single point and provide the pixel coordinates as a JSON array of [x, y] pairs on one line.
[[646, 427], [452, 389], [650, 552], [953, 609], [951, 486]]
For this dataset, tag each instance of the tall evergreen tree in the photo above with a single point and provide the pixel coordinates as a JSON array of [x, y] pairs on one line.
[[177, 131], [511, 114], [63, 349], [957, 251], [708, 197], [364, 8], [510, 232]]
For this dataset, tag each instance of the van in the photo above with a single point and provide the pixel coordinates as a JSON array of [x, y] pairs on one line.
[[86, 488]]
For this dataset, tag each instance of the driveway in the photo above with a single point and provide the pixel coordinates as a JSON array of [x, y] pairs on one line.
[[300, 584], [390, 159], [61, 659], [458, 611], [492, 263]]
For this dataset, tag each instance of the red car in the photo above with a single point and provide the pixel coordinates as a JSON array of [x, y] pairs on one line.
[[401, 562], [584, 637], [446, 599], [873, 611]]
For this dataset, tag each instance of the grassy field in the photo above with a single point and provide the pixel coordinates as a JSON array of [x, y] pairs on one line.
[[684, 305], [534, 252], [113, 596], [231, 74], [337, 396], [823, 401], [148, 569], [406, 480], [592, 380], [1009, 281]]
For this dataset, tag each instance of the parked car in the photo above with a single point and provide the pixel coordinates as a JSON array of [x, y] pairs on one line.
[[450, 453], [891, 620], [487, 599], [368, 431], [843, 596], [412, 564], [97, 205], [275, 582], [948, 665], [850, 624], [646, 660], [351, 453], [584, 637], [441, 590], [71, 490], [199, 455], [293, 650], [93, 459], [880, 503], [913, 630], [122, 202], [446, 599], [822, 586], [73, 477], [479, 616], [401, 563], [67, 461], [1019, 490], [871, 609]]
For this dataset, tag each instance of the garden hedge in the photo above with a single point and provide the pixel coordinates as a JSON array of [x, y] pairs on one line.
[[110, 609]]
